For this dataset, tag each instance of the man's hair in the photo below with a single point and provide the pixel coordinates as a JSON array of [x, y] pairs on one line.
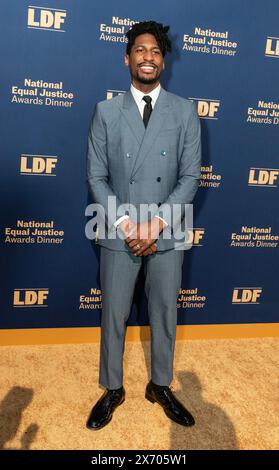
[[151, 27]]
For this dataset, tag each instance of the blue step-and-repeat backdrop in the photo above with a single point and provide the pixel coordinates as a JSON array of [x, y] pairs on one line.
[[60, 57]]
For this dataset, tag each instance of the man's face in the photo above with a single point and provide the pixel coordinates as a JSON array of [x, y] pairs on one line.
[[145, 61]]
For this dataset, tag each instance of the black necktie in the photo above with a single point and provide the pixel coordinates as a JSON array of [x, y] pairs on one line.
[[147, 109]]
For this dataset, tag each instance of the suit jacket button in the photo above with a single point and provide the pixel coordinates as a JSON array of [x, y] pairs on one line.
[[128, 155], [163, 153], [132, 181], [159, 179]]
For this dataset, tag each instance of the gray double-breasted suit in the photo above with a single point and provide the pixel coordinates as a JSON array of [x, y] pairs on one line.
[[161, 165]]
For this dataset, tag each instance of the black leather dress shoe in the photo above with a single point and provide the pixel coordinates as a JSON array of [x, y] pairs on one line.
[[102, 411], [171, 406]]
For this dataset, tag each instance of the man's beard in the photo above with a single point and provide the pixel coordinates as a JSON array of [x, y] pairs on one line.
[[146, 80]]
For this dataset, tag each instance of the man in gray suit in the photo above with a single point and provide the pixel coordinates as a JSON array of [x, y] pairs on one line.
[[144, 148]]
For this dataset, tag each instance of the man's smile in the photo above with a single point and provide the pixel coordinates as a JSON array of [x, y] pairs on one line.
[[147, 68]]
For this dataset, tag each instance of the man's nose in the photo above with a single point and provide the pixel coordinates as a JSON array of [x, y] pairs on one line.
[[148, 56]]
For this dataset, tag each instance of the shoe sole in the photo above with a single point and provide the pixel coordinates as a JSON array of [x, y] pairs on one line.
[[105, 424]]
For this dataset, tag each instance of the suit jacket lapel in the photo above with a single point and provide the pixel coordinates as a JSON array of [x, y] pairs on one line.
[[132, 116]]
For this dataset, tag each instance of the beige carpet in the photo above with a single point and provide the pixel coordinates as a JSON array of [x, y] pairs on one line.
[[230, 386]]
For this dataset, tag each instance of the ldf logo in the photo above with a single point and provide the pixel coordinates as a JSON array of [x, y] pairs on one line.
[[272, 47], [207, 108], [37, 165], [195, 236], [246, 295], [263, 177], [46, 18], [34, 297]]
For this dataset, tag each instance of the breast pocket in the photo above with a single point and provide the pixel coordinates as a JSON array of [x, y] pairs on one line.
[[170, 136]]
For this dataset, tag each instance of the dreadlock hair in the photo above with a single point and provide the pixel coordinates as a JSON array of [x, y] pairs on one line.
[[151, 27]]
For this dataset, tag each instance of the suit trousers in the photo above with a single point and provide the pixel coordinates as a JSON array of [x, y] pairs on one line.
[[119, 271]]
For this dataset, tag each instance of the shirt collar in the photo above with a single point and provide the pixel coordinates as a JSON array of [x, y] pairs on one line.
[[138, 95]]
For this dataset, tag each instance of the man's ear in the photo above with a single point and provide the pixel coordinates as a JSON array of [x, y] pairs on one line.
[[126, 59]]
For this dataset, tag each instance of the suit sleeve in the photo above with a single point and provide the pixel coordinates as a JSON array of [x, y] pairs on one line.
[[188, 175], [97, 169]]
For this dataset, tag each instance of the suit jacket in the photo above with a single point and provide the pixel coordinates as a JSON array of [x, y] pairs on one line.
[[159, 164]]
